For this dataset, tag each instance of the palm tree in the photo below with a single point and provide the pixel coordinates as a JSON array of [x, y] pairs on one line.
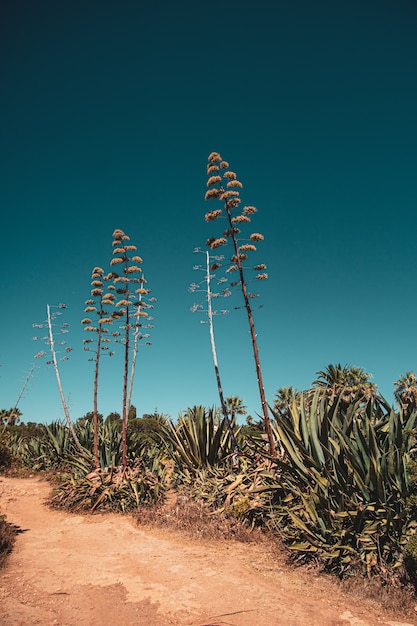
[[284, 397], [235, 406], [10, 417], [405, 392], [348, 384]]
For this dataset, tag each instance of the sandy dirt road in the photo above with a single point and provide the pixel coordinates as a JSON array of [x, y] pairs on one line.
[[101, 570]]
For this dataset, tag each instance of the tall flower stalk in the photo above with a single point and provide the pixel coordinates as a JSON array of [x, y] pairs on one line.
[[129, 308], [195, 287], [97, 306], [139, 335], [14, 413], [223, 186], [50, 340]]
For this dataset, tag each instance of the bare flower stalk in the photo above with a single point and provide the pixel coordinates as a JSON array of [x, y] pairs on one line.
[[210, 314], [128, 309], [224, 186], [96, 306], [58, 379], [138, 336], [13, 414]]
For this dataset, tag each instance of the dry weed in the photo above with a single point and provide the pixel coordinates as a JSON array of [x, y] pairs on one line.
[[181, 514]]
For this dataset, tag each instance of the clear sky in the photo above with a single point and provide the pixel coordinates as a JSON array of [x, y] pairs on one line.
[[108, 112]]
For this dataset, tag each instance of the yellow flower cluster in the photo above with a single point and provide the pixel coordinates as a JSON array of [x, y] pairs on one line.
[[213, 180], [212, 193], [256, 237], [247, 247], [239, 219], [228, 194], [214, 157], [212, 215], [218, 242]]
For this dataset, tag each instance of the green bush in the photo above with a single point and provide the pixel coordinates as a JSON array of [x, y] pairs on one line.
[[410, 558], [6, 454]]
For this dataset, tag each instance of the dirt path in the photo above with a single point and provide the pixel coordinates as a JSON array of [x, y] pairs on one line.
[[73, 570]]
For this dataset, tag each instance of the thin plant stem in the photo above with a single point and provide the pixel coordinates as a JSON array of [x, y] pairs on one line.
[[58, 379], [125, 378], [25, 384], [214, 353], [133, 364], [267, 421]]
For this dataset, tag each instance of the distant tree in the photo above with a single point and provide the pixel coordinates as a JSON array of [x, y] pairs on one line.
[[405, 392], [113, 417], [284, 398], [251, 428], [235, 407], [10, 417], [132, 412], [148, 426], [347, 384], [90, 417]]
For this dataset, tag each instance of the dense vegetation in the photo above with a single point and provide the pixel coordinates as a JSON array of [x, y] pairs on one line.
[[341, 491]]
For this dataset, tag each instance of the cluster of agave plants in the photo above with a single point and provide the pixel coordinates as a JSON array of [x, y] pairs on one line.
[[341, 489], [331, 470]]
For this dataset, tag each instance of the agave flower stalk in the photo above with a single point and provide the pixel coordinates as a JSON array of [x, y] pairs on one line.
[[210, 314], [51, 342], [128, 308], [223, 186], [97, 305], [13, 414], [138, 336]]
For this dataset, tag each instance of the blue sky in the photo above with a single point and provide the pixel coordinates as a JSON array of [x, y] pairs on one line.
[[108, 114]]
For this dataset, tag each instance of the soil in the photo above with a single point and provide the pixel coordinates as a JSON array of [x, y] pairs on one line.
[[103, 569]]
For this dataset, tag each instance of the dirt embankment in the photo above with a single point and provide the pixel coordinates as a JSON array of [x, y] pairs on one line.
[[100, 570]]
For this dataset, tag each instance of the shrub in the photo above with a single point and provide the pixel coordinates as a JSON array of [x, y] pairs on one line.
[[345, 483], [7, 539], [112, 489], [6, 455]]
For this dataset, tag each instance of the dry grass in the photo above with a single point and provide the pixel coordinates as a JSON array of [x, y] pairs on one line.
[[183, 515], [394, 597]]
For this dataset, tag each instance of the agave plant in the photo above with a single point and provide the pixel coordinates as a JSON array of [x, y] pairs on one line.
[[198, 439], [112, 489], [345, 481]]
